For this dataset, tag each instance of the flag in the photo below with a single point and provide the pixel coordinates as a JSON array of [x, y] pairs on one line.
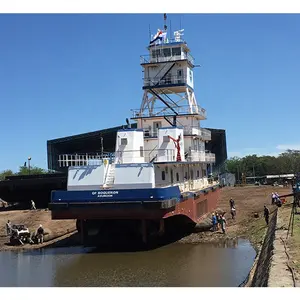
[[160, 36], [25, 164]]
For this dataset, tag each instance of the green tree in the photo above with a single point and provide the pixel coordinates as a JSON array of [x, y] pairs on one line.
[[33, 171], [286, 163], [6, 173]]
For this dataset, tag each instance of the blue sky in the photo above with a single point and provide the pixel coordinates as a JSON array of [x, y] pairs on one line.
[[68, 74]]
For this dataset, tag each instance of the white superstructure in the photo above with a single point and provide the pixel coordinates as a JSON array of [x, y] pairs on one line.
[[168, 145]]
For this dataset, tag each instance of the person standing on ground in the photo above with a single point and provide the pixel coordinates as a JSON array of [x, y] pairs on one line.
[[223, 223], [8, 228], [231, 202], [40, 234], [33, 205], [218, 221], [233, 212], [266, 214], [214, 222], [273, 198]]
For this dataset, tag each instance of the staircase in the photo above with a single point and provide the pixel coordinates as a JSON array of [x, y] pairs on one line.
[[110, 177]]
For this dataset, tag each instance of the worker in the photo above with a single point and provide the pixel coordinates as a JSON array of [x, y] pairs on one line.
[[33, 205], [8, 228], [223, 223], [233, 212], [214, 222], [273, 198], [218, 217], [40, 234], [231, 202], [266, 214]]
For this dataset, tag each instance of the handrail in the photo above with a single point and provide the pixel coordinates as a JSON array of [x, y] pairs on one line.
[[173, 79], [148, 59], [158, 111]]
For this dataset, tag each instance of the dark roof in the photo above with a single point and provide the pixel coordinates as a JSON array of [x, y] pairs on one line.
[[88, 134]]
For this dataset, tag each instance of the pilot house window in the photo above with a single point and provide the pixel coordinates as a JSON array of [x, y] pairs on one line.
[[176, 51], [156, 53], [167, 52]]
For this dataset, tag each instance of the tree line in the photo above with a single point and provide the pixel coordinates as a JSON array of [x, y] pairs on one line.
[[23, 170], [287, 162]]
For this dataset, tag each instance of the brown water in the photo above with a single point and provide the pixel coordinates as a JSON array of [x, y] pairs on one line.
[[175, 265]]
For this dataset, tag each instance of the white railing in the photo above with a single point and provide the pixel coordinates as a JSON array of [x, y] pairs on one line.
[[119, 157], [210, 157], [146, 59], [68, 160], [165, 111], [146, 156], [196, 130], [168, 80], [187, 130], [201, 156], [135, 156]]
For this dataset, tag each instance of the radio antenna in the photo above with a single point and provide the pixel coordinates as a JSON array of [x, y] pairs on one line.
[[165, 22]]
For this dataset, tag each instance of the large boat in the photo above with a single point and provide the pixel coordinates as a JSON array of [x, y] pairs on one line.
[[159, 170]]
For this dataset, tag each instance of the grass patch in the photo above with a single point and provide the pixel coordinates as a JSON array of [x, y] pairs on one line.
[[294, 244]]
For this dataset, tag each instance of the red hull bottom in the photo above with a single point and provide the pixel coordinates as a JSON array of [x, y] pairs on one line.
[[194, 207], [198, 207]]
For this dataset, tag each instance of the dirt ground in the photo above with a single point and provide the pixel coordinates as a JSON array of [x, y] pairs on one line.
[[248, 201], [32, 219]]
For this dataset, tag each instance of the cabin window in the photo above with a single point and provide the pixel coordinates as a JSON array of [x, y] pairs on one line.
[[163, 175], [186, 176], [177, 176], [176, 51], [192, 174], [191, 75], [156, 53], [156, 125], [123, 142], [141, 151], [180, 75], [168, 78], [198, 173], [203, 173], [167, 52]]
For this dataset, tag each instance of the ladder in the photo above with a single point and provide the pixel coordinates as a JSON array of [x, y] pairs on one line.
[[110, 177]]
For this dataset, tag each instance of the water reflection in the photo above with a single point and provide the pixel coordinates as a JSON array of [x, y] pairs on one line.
[[172, 265]]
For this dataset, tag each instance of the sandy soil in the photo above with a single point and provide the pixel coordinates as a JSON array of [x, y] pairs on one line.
[[32, 219], [248, 201]]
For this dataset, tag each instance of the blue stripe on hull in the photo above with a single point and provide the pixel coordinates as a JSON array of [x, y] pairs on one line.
[[158, 194]]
